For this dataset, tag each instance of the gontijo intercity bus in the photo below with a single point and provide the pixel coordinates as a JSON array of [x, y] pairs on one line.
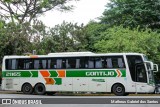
[[118, 73]]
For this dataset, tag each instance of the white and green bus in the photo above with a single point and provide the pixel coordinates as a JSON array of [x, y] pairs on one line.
[[118, 73]]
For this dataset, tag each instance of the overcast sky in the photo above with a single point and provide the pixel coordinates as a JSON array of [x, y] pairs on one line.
[[83, 12]]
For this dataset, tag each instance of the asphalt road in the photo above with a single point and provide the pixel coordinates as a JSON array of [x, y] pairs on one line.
[[63, 100]]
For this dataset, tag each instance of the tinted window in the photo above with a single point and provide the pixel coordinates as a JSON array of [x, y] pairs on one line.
[[11, 64], [98, 62], [137, 69], [28, 63], [104, 62], [111, 62], [71, 63]]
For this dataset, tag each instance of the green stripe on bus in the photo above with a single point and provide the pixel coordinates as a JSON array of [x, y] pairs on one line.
[[69, 73], [95, 73], [53, 74], [20, 74], [123, 73], [58, 81]]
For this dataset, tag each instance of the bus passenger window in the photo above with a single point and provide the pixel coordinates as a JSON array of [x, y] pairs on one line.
[[36, 64], [28, 64], [59, 63], [8, 64], [49, 64], [11, 64], [21, 64], [67, 64], [77, 63], [98, 63], [109, 63], [83, 63], [44, 64], [120, 63], [14, 64], [71, 63], [53, 63], [90, 64]]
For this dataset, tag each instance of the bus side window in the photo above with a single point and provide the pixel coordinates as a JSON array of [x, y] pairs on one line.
[[9, 65], [113, 62], [44, 64], [21, 64], [36, 64], [109, 63], [90, 64], [77, 63], [71, 63], [49, 64], [63, 64], [28, 64], [83, 63], [98, 63], [120, 63], [59, 63], [67, 64], [104, 63], [53, 63], [14, 64]]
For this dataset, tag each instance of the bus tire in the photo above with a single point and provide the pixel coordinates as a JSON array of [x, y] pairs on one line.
[[50, 93], [118, 89], [27, 88], [39, 89]]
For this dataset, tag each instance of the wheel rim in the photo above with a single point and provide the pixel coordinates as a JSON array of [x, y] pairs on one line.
[[27, 88], [119, 89], [40, 89]]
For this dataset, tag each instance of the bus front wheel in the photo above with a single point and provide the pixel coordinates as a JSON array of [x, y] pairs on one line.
[[118, 89], [39, 89], [27, 88]]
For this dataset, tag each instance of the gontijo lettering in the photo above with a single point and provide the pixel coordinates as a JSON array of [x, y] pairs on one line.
[[100, 73]]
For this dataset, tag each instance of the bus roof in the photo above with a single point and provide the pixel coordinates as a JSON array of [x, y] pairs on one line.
[[72, 54]]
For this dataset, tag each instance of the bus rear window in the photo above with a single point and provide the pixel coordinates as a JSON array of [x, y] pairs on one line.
[[11, 64]]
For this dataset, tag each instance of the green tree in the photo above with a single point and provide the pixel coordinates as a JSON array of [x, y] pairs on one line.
[[132, 13], [16, 39], [23, 11], [22, 32], [62, 38], [119, 39], [92, 32]]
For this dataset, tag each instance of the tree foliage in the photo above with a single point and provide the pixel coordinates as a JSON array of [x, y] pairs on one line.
[[132, 13], [26, 10], [119, 39], [92, 31], [62, 38], [16, 39]]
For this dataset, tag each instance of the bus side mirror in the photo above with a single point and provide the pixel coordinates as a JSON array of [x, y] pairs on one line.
[[155, 68]]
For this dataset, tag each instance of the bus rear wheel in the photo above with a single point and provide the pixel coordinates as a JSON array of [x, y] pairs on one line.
[[39, 89], [118, 89], [27, 88]]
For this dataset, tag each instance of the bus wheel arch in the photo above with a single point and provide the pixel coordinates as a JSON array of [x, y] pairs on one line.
[[27, 88], [118, 89], [39, 89]]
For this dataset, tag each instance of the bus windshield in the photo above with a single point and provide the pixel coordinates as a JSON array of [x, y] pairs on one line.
[[150, 74]]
